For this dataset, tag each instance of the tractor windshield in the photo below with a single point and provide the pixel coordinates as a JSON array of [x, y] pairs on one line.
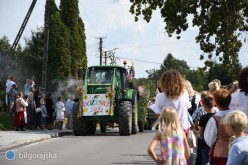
[[104, 77], [101, 76]]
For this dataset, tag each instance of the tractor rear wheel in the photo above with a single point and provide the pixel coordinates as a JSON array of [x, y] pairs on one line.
[[125, 118], [78, 122], [103, 127], [91, 127]]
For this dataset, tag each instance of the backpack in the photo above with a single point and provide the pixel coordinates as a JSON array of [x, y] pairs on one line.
[[193, 105]]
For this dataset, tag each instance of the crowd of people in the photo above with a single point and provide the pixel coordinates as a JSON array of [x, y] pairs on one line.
[[35, 111], [218, 122]]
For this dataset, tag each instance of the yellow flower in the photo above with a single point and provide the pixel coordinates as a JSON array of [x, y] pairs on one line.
[[86, 110], [85, 97]]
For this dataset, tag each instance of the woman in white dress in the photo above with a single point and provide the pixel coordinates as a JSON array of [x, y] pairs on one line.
[[60, 113]]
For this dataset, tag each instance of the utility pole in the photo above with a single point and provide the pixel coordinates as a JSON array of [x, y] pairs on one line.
[[105, 57], [46, 40], [100, 48]]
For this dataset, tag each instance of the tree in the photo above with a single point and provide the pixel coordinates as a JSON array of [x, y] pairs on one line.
[[221, 24], [219, 71], [59, 59], [30, 59], [169, 63], [70, 16], [5, 57], [82, 37]]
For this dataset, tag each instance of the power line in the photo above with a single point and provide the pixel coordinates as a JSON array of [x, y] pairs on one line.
[[138, 60]]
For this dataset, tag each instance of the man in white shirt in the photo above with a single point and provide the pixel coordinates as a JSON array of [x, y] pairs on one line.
[[9, 85]]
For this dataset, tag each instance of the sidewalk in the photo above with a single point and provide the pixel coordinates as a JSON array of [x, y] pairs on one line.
[[13, 139]]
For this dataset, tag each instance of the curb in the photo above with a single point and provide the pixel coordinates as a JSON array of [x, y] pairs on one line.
[[35, 140]]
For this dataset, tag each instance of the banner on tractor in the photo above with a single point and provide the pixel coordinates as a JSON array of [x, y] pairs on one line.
[[96, 105]]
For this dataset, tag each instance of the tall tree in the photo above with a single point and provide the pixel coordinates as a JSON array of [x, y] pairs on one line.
[[70, 16], [82, 37], [59, 59], [5, 57], [221, 24]]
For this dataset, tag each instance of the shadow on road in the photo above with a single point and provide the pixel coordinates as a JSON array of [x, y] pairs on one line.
[[143, 159]]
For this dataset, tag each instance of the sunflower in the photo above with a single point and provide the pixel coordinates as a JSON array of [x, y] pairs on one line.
[[85, 110], [85, 97]]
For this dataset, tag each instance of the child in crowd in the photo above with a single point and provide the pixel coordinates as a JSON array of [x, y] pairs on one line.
[[215, 134], [174, 146], [196, 118], [236, 122], [208, 105], [43, 113]]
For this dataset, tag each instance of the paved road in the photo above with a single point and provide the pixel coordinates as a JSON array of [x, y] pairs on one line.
[[100, 149]]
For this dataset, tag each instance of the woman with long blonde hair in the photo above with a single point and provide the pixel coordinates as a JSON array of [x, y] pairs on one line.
[[174, 146]]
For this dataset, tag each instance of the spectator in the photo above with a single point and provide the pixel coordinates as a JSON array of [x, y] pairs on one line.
[[213, 86], [200, 111], [174, 95], [194, 97], [215, 135], [9, 84], [235, 123], [37, 108], [30, 109], [43, 113], [12, 97], [174, 147], [19, 121], [50, 111], [27, 87], [69, 106], [196, 118], [208, 106], [60, 110], [240, 98]]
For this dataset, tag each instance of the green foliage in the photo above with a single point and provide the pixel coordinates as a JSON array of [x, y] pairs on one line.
[[6, 121], [198, 79], [5, 45], [224, 74], [59, 60], [30, 60], [70, 16], [149, 87], [82, 36], [221, 24]]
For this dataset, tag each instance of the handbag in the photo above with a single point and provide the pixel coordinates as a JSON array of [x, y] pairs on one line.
[[38, 110]]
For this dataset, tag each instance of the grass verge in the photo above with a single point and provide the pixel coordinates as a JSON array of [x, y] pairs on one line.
[[6, 121]]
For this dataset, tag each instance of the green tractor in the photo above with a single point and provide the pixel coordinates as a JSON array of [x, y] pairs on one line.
[[107, 96]]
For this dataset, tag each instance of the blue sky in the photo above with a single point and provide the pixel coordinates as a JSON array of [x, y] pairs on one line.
[[136, 41]]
